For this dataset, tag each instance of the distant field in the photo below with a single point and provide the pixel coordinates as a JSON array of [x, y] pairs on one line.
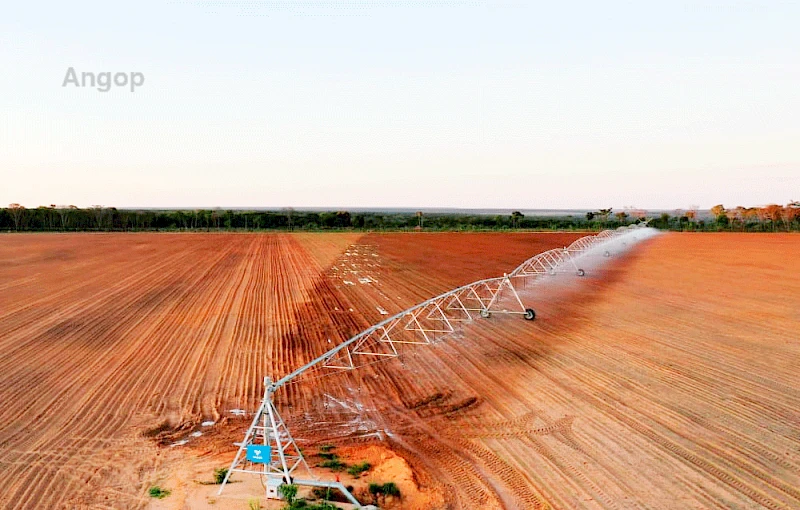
[[666, 380]]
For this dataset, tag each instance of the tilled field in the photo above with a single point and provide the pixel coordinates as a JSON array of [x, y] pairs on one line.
[[106, 336], [103, 336], [666, 380]]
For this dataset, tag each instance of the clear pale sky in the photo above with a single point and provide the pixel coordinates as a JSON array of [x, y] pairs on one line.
[[371, 103]]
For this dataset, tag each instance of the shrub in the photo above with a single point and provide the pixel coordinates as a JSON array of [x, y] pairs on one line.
[[390, 489], [302, 504], [328, 494], [334, 464], [219, 475], [158, 492], [381, 491], [326, 447], [288, 491], [357, 469], [324, 506], [321, 493], [253, 504]]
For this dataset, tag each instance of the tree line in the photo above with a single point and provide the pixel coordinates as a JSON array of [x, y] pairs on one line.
[[98, 218], [770, 218]]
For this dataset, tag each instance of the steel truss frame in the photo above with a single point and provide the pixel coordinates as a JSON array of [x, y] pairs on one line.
[[268, 428], [426, 322], [423, 324]]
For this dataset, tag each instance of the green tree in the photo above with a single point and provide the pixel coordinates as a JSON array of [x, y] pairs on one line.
[[516, 217], [342, 219], [604, 214], [99, 213], [717, 210], [17, 214]]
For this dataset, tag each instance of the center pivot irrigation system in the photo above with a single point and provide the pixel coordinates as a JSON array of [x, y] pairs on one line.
[[268, 448]]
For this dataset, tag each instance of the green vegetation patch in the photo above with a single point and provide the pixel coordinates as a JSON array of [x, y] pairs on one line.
[[357, 469], [158, 492]]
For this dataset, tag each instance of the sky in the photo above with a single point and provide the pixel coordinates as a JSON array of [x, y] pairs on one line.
[[401, 103]]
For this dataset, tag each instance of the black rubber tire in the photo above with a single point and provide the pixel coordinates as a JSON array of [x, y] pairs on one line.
[[530, 314], [581, 272], [486, 314]]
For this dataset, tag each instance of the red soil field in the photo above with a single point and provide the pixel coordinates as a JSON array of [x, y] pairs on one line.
[[104, 336], [109, 335], [667, 379]]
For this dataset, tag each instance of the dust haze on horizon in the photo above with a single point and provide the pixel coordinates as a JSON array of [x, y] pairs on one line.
[[380, 105]]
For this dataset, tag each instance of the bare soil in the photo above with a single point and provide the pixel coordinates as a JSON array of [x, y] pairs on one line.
[[668, 379]]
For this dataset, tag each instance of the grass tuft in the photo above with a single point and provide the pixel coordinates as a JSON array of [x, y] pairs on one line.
[[158, 492]]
